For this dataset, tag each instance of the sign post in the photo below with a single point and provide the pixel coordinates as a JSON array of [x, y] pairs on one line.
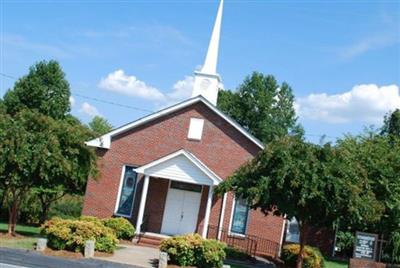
[[365, 246]]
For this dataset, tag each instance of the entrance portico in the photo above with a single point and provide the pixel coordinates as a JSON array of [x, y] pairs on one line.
[[188, 178]]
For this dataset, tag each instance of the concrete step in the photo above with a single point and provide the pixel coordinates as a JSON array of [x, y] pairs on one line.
[[150, 241]]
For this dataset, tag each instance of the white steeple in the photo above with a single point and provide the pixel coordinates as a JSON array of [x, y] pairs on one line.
[[207, 80]]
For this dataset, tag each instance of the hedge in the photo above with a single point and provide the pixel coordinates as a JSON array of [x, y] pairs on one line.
[[73, 234], [121, 226], [193, 250]]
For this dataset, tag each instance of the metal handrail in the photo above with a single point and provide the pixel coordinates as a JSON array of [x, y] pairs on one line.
[[250, 244]]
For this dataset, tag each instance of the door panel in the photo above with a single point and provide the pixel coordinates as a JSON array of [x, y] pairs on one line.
[[172, 212], [181, 212]]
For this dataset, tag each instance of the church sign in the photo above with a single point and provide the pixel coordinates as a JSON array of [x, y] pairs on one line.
[[365, 246]]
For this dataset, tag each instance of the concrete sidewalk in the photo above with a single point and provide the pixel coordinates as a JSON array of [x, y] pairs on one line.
[[134, 255]]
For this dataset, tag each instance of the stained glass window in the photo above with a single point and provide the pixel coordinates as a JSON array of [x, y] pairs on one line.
[[239, 220], [127, 192]]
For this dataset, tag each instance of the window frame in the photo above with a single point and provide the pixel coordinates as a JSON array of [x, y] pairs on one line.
[[292, 237], [230, 231], [121, 183]]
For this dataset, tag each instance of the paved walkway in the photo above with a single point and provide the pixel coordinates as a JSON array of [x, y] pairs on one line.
[[135, 255], [13, 258]]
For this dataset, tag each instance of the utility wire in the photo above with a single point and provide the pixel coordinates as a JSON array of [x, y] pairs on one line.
[[94, 99], [148, 111], [112, 103]]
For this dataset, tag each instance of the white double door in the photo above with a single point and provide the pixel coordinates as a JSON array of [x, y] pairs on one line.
[[180, 212]]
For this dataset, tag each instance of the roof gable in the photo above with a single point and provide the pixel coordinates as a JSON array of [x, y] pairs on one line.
[[104, 141], [181, 166]]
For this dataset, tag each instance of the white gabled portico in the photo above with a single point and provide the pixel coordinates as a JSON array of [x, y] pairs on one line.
[[182, 205]]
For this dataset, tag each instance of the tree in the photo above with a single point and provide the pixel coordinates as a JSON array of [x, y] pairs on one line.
[[378, 158], [100, 126], [262, 106], [310, 182], [37, 151], [44, 89], [37, 109], [391, 125]]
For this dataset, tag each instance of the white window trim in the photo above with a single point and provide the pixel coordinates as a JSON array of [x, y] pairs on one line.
[[230, 232], [121, 182]]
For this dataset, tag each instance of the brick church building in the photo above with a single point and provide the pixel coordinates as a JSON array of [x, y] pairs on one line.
[[160, 171]]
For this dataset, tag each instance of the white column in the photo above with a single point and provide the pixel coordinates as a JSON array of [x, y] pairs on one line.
[[208, 211], [143, 198], [221, 220]]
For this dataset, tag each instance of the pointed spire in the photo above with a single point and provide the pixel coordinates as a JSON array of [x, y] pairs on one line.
[[210, 64], [207, 80]]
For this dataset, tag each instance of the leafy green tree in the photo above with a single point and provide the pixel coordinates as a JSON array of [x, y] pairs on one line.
[[391, 125], [37, 151], [38, 105], [310, 182], [377, 159], [100, 126], [44, 89], [262, 106]]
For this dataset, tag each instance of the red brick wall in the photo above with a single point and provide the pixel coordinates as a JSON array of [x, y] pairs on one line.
[[222, 148]]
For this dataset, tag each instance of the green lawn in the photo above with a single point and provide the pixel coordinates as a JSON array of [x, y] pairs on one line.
[[21, 229], [335, 264], [26, 240]]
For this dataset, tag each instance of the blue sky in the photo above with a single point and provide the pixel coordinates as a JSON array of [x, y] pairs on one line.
[[342, 58]]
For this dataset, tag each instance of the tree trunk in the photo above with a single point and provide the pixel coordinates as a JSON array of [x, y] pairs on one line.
[[303, 234], [44, 213], [12, 218]]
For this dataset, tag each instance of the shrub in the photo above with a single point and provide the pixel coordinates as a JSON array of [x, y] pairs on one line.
[[211, 254], [121, 226], [345, 242], [192, 249], [68, 207], [236, 254], [312, 256], [72, 235], [92, 219]]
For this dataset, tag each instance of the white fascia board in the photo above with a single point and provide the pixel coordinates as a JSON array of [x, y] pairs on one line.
[[105, 140], [214, 177]]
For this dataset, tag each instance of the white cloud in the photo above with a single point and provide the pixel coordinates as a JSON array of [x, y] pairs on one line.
[[363, 103], [120, 82], [182, 89], [89, 109], [71, 101]]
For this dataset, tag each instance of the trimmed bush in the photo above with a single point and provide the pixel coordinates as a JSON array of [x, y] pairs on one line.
[[193, 250], [72, 235], [312, 256], [211, 254], [121, 226], [92, 219]]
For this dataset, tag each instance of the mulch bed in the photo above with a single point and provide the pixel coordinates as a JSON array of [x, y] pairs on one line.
[[63, 253]]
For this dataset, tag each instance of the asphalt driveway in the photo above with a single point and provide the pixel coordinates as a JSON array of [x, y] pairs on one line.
[[16, 258]]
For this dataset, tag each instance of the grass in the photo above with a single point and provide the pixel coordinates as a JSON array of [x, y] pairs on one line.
[[21, 229], [335, 264], [26, 239]]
